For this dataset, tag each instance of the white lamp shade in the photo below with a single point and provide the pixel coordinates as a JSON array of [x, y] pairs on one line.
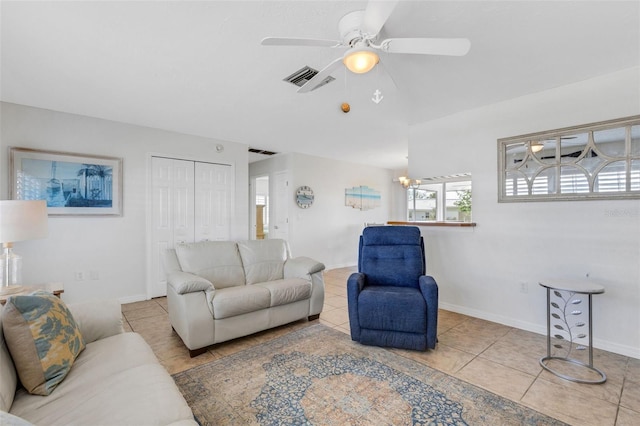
[[22, 220]]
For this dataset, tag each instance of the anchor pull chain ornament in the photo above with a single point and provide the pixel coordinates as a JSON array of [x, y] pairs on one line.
[[377, 96]]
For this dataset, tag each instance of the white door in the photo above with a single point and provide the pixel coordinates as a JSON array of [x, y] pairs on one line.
[[213, 187], [279, 226], [191, 201], [172, 205], [183, 201]]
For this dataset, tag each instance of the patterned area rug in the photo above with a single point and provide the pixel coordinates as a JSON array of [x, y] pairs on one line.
[[318, 376]]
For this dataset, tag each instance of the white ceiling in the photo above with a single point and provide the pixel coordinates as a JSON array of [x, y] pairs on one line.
[[198, 67]]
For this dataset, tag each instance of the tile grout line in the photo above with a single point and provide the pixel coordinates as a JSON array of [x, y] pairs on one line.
[[474, 357], [624, 380]]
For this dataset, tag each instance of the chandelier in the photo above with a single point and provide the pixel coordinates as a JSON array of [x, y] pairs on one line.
[[409, 183]]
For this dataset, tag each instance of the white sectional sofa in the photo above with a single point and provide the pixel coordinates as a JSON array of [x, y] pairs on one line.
[[221, 290], [116, 380]]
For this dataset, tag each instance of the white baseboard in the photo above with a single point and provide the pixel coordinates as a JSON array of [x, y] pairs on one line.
[[338, 266], [134, 298], [606, 345]]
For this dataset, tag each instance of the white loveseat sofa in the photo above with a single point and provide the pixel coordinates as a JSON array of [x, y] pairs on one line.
[[221, 290], [116, 380]]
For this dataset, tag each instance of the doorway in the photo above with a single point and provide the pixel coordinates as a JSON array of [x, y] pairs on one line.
[[268, 206], [262, 207]]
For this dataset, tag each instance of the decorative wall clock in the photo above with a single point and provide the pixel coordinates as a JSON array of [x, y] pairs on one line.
[[304, 197]]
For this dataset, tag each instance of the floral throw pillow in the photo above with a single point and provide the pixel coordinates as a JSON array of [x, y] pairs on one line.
[[43, 338]]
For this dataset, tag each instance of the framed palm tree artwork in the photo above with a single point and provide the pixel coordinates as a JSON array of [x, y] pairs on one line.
[[72, 184]]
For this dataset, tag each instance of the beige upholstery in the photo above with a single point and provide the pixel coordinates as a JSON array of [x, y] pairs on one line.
[[221, 290], [8, 375], [263, 260], [115, 380], [233, 301], [287, 291], [97, 320], [218, 262]]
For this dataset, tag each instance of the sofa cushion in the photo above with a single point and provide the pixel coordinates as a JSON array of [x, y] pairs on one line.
[[9, 379], [115, 381], [233, 301], [43, 338], [398, 309], [263, 260], [216, 261], [7, 419], [98, 319], [287, 291]]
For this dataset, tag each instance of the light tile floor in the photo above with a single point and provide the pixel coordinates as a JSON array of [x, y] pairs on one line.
[[501, 359]]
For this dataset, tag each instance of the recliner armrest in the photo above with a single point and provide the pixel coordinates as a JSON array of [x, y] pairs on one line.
[[184, 282], [428, 288], [302, 267], [356, 282]]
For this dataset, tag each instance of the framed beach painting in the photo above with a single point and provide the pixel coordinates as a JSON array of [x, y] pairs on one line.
[[362, 197], [72, 184]]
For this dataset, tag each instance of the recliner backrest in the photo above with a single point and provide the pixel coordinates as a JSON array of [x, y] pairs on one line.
[[392, 255]]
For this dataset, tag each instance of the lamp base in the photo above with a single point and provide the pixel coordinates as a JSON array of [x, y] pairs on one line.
[[10, 270], [12, 289]]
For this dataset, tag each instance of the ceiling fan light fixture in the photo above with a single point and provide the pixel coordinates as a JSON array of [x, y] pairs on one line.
[[360, 60]]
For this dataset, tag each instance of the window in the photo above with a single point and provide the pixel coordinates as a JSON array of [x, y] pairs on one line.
[[594, 161], [446, 198]]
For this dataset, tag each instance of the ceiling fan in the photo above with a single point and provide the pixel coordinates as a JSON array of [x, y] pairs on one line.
[[358, 32]]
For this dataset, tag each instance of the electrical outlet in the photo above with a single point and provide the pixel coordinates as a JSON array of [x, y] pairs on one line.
[[524, 287], [79, 276], [94, 275]]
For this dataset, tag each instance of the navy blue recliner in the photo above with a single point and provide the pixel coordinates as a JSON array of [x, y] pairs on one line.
[[391, 301]]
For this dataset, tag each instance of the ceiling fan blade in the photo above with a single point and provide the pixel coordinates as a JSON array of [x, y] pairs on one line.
[[284, 41], [427, 46], [318, 78], [376, 14]]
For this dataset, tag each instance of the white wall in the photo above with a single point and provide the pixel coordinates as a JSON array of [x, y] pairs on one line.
[[479, 271], [115, 247], [329, 231]]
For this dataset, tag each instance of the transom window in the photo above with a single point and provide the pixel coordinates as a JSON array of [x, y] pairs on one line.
[[594, 161]]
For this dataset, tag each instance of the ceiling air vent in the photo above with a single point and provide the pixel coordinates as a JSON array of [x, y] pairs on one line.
[[303, 75], [261, 151]]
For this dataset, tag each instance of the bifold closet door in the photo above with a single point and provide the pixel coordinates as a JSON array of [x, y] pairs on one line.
[[173, 213], [191, 201], [213, 191]]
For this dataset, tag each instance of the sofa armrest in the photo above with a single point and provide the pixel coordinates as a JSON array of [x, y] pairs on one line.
[[8, 419], [184, 282], [98, 319], [301, 267]]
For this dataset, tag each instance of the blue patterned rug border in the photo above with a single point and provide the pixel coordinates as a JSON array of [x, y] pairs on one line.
[[231, 389]]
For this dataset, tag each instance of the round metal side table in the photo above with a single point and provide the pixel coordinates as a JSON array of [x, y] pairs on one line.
[[565, 314]]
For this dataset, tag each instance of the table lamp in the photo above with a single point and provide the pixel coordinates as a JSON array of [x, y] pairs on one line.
[[19, 221]]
